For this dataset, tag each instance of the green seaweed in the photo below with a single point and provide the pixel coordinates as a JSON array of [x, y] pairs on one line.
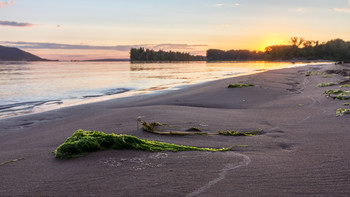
[[297, 83], [236, 133], [337, 91], [82, 142], [239, 85], [346, 104], [194, 129], [345, 86], [326, 84], [327, 76], [341, 111], [338, 94]]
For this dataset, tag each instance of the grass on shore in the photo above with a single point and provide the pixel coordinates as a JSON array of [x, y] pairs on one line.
[[82, 142], [338, 94], [239, 85]]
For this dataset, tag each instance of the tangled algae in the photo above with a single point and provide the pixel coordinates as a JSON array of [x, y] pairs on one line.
[[82, 142]]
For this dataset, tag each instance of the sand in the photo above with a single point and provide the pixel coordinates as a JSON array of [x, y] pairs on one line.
[[304, 150]]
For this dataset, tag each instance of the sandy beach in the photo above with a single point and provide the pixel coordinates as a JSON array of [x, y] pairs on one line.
[[304, 150]]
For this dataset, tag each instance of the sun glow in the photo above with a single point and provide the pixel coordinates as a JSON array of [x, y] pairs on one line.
[[271, 41]]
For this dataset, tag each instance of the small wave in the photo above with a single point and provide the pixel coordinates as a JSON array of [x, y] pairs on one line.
[[116, 91], [108, 92], [232, 74], [26, 106]]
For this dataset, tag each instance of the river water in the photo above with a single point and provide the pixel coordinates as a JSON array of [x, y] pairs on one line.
[[29, 87]]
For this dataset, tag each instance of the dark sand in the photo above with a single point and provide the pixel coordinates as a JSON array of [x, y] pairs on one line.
[[303, 152]]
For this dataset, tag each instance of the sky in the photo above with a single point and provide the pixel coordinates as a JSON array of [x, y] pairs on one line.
[[90, 29]]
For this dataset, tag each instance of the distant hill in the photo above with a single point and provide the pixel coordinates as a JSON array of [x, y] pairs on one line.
[[15, 54]]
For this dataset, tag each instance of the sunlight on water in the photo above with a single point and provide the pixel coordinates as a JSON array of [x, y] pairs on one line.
[[39, 86]]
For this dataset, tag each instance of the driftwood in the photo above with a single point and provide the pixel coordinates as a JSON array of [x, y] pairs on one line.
[[9, 161], [180, 133], [150, 127]]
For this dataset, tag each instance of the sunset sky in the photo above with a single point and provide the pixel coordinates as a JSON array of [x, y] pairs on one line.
[[91, 29]]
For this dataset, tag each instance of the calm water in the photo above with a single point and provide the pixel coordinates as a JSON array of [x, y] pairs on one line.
[[39, 86]]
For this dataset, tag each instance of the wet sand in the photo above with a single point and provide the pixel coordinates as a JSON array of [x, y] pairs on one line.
[[304, 150]]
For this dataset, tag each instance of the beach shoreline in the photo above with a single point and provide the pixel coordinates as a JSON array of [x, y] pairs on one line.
[[23, 91], [303, 151]]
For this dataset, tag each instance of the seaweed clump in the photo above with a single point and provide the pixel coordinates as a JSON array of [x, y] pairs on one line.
[[345, 86], [237, 133], [82, 142], [338, 94], [341, 111], [326, 84], [239, 85]]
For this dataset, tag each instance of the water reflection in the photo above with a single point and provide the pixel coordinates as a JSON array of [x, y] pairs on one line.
[[68, 83]]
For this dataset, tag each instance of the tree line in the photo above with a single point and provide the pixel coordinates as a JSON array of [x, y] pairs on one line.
[[233, 55], [299, 49], [142, 54]]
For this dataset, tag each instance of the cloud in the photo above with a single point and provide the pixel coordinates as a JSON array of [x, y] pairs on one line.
[[218, 5], [342, 9], [15, 24], [7, 3], [345, 9], [176, 46], [299, 10], [227, 5], [43, 45]]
